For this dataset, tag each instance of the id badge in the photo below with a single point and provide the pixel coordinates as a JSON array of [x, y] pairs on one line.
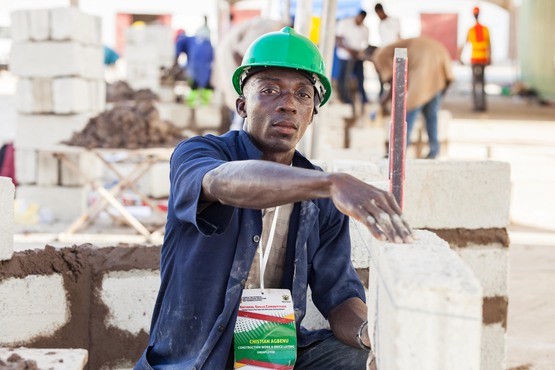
[[265, 335]]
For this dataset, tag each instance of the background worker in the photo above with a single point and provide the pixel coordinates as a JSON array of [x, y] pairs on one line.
[[226, 191], [430, 73], [351, 42], [389, 27], [478, 37]]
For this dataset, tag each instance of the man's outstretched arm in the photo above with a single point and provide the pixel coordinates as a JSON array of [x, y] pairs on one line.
[[262, 184]]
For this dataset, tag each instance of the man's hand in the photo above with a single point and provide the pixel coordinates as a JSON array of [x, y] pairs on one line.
[[375, 208]]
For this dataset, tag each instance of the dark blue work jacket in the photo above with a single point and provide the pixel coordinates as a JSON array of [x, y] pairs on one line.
[[207, 255]]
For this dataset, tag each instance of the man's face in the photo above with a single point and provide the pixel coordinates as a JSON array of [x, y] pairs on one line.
[[278, 105]]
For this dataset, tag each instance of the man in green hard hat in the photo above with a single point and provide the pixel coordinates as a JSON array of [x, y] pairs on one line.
[[252, 224]]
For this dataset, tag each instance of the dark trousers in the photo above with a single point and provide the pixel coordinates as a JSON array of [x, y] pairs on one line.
[[478, 91], [347, 70]]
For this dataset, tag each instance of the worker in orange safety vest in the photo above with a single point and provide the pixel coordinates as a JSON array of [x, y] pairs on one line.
[[478, 37]]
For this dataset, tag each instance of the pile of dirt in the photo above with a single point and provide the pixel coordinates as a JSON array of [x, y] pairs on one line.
[[16, 362], [169, 76], [130, 125], [120, 91]]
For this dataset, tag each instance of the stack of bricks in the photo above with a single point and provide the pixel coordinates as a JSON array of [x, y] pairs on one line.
[[148, 49], [58, 56]]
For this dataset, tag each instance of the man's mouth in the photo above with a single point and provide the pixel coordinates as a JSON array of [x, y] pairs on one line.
[[285, 127]]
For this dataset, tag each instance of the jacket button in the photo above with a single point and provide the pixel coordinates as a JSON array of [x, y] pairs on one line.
[[256, 238], [221, 328]]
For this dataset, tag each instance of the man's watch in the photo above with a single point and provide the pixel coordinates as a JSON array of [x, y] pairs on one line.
[[359, 336]]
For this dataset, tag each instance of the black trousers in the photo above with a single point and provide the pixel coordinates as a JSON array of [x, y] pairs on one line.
[[478, 84]]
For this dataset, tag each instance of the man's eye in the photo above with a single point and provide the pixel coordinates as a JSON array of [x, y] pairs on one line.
[[269, 90], [305, 95]]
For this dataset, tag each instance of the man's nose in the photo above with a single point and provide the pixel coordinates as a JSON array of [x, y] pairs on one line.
[[287, 101]]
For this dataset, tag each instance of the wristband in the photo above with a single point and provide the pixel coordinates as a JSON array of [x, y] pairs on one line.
[[359, 336]]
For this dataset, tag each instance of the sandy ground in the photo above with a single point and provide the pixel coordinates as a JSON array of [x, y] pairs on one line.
[[512, 130]]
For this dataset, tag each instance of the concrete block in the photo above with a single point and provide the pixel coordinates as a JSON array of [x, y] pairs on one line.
[[494, 347], [33, 305], [7, 191], [207, 117], [39, 22], [70, 95], [97, 95], [370, 138], [156, 182], [58, 59], [48, 169], [457, 194], [20, 28], [334, 136], [158, 38], [26, 161], [43, 131], [430, 300], [50, 358], [129, 295], [178, 114], [490, 265], [65, 203], [68, 23], [363, 170], [34, 95], [88, 163]]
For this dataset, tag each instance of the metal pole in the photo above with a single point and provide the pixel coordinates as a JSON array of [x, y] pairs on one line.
[[327, 43], [398, 132], [303, 14]]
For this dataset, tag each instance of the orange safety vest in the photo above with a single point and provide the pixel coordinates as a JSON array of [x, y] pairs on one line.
[[478, 36]]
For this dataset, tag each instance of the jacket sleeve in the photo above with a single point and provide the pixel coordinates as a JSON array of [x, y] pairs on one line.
[[190, 161]]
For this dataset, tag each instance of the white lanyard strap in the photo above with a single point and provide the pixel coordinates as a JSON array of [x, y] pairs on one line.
[[265, 255]]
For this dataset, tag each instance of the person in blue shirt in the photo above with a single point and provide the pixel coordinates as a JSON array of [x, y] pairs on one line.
[[222, 188]]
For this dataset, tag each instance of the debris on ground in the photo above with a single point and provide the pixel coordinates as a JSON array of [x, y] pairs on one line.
[[131, 125], [169, 76], [16, 362], [121, 91]]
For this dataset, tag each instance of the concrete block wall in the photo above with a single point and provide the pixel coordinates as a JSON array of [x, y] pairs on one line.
[[466, 203], [68, 43], [428, 297], [7, 190], [99, 299], [147, 50], [58, 56]]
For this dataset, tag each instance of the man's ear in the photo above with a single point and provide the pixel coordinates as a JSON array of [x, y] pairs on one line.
[[240, 105]]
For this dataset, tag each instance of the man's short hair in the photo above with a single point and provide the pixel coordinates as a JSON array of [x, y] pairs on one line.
[[363, 13], [378, 7]]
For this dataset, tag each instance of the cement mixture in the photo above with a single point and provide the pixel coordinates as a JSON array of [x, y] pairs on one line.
[[130, 125], [121, 91]]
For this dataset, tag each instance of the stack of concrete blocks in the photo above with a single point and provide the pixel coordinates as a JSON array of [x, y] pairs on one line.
[[466, 203], [340, 136], [7, 193], [148, 49], [58, 56], [98, 299]]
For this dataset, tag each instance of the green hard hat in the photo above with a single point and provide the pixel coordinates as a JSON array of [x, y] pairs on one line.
[[285, 49]]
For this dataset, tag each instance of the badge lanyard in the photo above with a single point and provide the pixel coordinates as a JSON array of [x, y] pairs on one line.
[[265, 255]]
